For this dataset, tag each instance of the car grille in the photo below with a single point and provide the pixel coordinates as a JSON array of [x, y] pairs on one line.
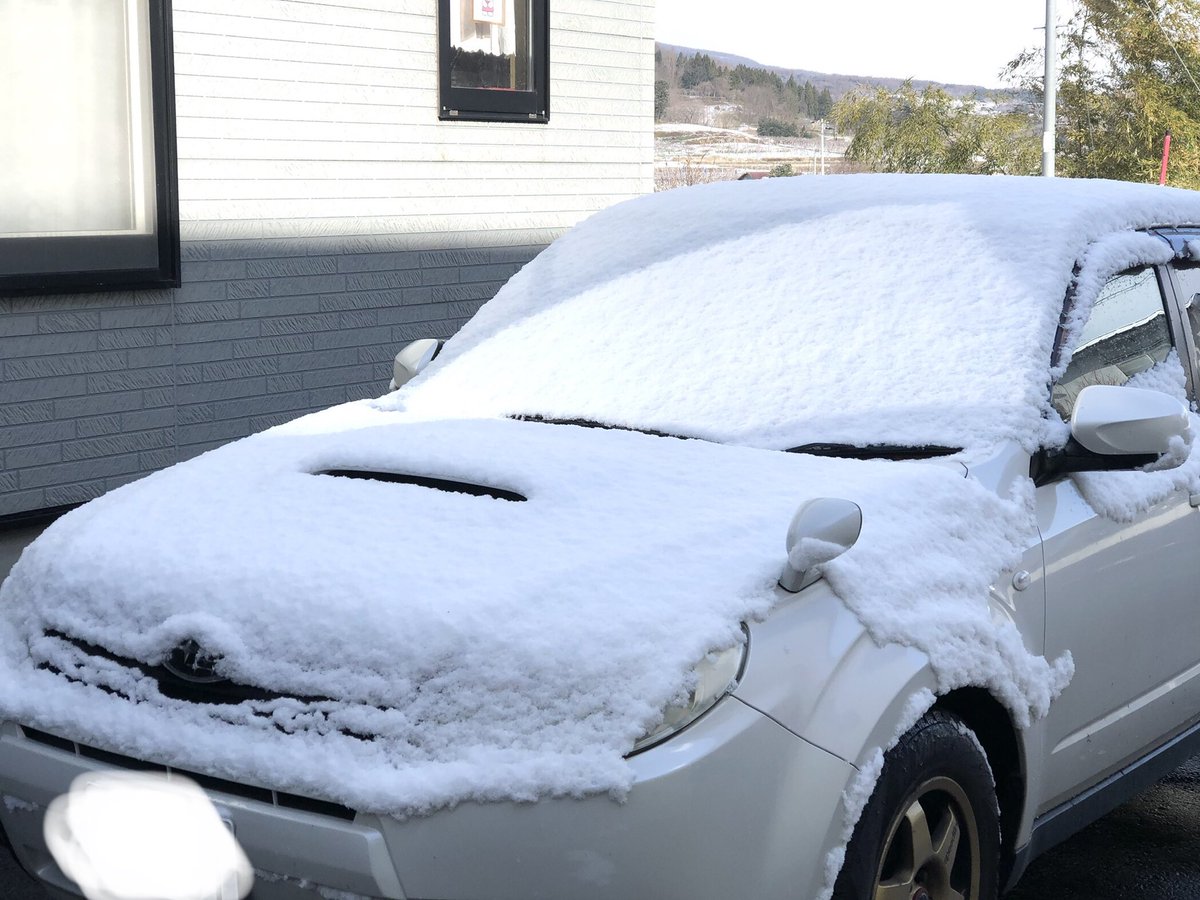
[[171, 685], [80, 662], [220, 785]]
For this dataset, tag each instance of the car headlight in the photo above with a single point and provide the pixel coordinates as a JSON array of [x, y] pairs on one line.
[[715, 676]]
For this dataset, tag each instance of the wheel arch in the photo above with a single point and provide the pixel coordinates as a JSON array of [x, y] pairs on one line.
[[998, 734]]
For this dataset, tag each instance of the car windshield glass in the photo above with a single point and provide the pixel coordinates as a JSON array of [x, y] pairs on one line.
[[879, 311]]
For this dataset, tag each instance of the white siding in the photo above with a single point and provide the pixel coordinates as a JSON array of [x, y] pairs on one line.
[[300, 118]]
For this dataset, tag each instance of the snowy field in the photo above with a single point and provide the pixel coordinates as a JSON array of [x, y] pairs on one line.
[[694, 154]]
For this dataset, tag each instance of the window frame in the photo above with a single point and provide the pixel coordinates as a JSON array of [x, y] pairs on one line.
[[463, 104], [86, 251], [1179, 240]]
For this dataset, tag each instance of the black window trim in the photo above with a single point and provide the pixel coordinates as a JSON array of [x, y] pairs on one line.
[[167, 273], [482, 105]]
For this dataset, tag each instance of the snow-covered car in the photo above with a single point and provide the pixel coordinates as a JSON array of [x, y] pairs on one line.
[[790, 539]]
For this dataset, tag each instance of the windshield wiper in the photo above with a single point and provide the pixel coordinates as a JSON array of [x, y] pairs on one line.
[[842, 451], [592, 423], [874, 451]]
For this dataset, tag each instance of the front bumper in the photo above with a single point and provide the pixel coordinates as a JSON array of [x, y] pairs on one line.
[[735, 806]]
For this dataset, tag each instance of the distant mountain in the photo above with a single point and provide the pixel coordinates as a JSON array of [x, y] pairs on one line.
[[837, 84]]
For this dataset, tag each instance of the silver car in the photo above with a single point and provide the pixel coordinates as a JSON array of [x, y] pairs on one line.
[[887, 486]]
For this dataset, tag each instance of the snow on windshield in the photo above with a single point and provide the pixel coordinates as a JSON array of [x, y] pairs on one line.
[[872, 310]]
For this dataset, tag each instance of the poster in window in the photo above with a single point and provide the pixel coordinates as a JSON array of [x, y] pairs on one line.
[[489, 12]]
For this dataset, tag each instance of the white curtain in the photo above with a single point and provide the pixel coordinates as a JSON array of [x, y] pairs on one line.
[[472, 34], [76, 153]]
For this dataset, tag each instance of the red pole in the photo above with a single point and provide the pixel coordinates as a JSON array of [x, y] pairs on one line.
[[1162, 175]]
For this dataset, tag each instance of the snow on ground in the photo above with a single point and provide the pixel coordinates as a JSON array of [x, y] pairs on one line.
[[726, 153], [684, 128], [496, 649]]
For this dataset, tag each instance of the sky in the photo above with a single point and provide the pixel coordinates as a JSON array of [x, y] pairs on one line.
[[938, 40]]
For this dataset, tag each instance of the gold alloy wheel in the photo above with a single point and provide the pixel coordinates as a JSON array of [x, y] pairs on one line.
[[932, 847]]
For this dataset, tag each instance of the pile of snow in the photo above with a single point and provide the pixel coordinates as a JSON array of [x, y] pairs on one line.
[[494, 649]]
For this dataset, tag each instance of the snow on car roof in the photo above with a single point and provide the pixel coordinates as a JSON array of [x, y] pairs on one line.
[[859, 309]]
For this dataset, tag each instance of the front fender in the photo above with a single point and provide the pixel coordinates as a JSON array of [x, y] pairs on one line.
[[813, 668]]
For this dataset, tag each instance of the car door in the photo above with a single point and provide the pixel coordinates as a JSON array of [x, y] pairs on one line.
[[1123, 597]]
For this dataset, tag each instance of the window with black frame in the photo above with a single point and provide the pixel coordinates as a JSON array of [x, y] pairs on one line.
[[494, 60], [88, 197], [1126, 340]]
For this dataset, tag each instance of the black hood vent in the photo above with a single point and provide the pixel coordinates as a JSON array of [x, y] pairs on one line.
[[426, 481]]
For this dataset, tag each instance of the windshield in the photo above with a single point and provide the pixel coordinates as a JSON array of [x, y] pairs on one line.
[[874, 311]]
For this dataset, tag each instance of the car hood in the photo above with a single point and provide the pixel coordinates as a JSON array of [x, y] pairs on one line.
[[426, 645]]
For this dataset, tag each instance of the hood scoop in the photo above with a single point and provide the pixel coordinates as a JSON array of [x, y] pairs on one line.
[[426, 481]]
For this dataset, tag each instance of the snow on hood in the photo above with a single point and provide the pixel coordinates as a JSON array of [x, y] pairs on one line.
[[492, 648], [859, 309]]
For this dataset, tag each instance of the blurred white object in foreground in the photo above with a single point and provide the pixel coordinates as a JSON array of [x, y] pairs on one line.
[[129, 836]]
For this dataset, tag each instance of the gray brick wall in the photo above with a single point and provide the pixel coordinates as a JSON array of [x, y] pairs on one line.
[[99, 389]]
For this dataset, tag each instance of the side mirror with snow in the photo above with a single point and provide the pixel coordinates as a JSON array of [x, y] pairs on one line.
[[1126, 421], [821, 530], [1116, 427], [412, 359]]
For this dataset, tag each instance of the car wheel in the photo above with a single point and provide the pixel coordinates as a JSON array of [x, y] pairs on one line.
[[931, 830]]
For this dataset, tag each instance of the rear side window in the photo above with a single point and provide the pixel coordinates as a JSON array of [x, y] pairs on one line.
[[1127, 340]]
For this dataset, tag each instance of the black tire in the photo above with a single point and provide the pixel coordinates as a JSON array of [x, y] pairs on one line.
[[935, 784]]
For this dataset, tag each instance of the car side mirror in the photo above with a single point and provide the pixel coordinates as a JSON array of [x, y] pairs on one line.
[[1117, 427], [821, 530], [1113, 420], [412, 359]]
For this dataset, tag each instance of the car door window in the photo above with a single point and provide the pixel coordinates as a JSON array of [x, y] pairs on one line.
[[1126, 340]]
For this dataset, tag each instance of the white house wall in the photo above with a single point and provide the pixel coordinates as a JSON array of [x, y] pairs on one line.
[[298, 118], [327, 217]]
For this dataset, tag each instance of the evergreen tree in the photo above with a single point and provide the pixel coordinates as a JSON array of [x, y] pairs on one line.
[[662, 98], [810, 100], [768, 127], [699, 69], [824, 104]]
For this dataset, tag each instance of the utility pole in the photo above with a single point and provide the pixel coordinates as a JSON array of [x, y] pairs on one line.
[[822, 146], [1050, 94]]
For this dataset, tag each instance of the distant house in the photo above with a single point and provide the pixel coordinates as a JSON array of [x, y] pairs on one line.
[[217, 216]]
